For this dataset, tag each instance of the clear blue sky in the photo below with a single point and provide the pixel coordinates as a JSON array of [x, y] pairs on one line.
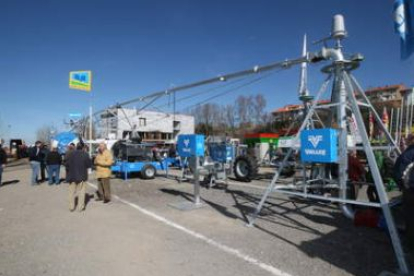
[[137, 47]]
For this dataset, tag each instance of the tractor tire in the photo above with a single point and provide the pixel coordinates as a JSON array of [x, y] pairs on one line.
[[148, 172], [245, 168]]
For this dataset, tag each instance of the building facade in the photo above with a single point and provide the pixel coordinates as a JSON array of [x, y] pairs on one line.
[[152, 126], [394, 102]]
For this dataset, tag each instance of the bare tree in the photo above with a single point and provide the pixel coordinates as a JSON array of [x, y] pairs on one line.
[[45, 133], [258, 104], [205, 117], [242, 109], [247, 114], [230, 117], [81, 127]]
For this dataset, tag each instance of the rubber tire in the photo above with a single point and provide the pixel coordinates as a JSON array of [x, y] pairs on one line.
[[148, 172], [251, 167]]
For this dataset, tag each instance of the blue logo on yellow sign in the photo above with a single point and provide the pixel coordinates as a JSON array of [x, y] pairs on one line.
[[81, 80]]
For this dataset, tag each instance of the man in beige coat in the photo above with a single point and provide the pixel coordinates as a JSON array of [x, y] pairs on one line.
[[103, 163]]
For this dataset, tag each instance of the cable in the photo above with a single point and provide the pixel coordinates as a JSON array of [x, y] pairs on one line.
[[205, 91], [181, 99], [234, 89]]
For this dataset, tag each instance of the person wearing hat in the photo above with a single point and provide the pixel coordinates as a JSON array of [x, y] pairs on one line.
[[404, 176], [3, 160]]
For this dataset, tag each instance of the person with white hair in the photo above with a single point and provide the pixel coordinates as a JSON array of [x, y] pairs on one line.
[[53, 162], [103, 163]]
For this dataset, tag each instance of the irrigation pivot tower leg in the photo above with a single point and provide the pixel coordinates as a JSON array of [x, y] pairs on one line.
[[379, 185], [292, 150]]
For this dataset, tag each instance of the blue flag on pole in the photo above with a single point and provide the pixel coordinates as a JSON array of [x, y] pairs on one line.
[[404, 25]]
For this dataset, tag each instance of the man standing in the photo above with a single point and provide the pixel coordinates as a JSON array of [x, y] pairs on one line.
[[44, 151], [404, 176], [69, 150], [103, 163], [78, 164], [35, 158], [3, 160], [53, 162]]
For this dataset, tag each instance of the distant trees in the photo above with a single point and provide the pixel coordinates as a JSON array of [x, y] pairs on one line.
[[247, 114], [81, 127], [45, 133]]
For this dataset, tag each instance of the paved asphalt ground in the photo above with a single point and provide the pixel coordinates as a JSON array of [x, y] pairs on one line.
[[140, 234]]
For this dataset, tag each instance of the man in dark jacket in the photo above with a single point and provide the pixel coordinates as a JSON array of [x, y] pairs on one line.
[[53, 162], [77, 164], [44, 151], [3, 160], [35, 158], [404, 176]]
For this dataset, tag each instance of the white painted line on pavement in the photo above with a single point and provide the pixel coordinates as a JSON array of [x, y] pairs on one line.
[[235, 252]]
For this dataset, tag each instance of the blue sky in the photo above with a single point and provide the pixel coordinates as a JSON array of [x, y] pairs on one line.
[[138, 47]]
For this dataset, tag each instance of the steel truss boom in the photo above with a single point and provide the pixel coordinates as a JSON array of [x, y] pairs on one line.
[[255, 70]]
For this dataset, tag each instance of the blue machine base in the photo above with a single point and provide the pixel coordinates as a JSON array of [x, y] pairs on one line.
[[124, 167]]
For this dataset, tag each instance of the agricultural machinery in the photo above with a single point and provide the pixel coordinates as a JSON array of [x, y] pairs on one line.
[[133, 156], [219, 160]]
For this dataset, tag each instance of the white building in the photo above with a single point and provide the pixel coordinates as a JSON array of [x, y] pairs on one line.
[[152, 126]]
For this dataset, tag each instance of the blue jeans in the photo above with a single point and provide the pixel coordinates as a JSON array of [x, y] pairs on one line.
[[35, 171], [1, 172], [53, 171]]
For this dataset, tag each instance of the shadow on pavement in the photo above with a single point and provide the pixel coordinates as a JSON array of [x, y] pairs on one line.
[[221, 209], [358, 250], [11, 182]]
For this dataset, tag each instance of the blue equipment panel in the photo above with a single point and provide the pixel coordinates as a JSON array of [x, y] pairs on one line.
[[123, 167], [319, 145], [190, 145], [221, 152]]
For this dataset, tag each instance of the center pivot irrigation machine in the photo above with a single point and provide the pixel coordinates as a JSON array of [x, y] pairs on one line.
[[324, 146]]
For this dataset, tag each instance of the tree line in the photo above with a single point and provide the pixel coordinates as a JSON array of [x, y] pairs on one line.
[[247, 114]]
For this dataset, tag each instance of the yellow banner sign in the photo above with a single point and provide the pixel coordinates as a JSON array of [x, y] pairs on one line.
[[81, 80]]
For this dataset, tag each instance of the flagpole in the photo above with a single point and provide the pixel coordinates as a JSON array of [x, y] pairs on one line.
[[90, 127], [401, 117], [90, 117], [391, 120], [82, 80], [410, 108], [397, 126]]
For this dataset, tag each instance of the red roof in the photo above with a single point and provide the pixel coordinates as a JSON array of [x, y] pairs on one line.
[[387, 87], [261, 135]]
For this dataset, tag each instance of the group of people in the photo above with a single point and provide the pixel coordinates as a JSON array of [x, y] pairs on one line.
[[77, 163], [42, 159]]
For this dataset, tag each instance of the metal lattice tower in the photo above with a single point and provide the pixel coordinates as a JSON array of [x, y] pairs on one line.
[[347, 100]]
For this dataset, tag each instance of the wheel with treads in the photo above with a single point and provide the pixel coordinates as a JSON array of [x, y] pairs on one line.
[[148, 171], [245, 168]]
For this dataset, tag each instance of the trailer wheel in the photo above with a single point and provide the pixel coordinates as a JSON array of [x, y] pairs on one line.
[[245, 168], [148, 172]]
